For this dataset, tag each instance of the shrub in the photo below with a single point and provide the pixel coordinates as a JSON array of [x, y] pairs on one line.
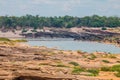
[[61, 65], [24, 30], [103, 28], [117, 74], [90, 75], [78, 70], [34, 30], [79, 51], [22, 40], [95, 72], [115, 68], [112, 56], [74, 63], [105, 61], [93, 56], [4, 39], [105, 68]]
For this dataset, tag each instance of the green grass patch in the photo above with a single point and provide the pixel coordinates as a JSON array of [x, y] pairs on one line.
[[74, 63], [92, 57], [61, 65], [4, 39], [77, 70], [117, 74], [112, 56], [115, 68], [105, 69], [105, 61], [94, 72], [20, 40]]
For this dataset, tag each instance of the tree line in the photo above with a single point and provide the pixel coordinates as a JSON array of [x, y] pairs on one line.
[[58, 22]]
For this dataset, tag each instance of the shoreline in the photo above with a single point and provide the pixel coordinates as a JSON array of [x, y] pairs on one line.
[[24, 60]]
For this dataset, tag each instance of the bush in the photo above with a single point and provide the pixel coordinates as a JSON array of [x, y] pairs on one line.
[[61, 65], [74, 63], [103, 28], [115, 68], [105, 68], [117, 74], [24, 30], [95, 72], [34, 30], [92, 57], [118, 61], [4, 39], [105, 61], [78, 70], [112, 56], [79, 51], [22, 40]]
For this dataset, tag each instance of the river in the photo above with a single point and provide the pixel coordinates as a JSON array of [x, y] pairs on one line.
[[69, 44]]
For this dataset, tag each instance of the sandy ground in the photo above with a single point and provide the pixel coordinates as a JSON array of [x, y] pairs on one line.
[[10, 34]]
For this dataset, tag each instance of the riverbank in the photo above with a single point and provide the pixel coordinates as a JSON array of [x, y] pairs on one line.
[[21, 61], [111, 35]]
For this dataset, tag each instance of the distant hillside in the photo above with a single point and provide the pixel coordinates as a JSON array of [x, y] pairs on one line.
[[58, 22]]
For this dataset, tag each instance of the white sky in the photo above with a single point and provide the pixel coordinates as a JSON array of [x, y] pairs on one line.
[[60, 7]]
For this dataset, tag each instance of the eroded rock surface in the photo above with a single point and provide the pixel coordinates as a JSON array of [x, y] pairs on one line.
[[40, 63]]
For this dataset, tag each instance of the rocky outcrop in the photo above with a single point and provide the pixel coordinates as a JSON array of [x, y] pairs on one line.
[[20, 62], [87, 34]]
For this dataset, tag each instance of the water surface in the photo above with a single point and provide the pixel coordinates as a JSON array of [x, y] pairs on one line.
[[85, 46]]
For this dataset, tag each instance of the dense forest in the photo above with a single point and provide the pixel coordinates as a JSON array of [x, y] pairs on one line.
[[58, 22]]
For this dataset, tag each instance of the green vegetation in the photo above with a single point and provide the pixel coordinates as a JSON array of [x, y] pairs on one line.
[[105, 61], [77, 70], [20, 40], [105, 68], [112, 56], [74, 63], [103, 28], [117, 74], [114, 68], [8, 40], [24, 30], [79, 51], [92, 57], [94, 72], [4, 39], [34, 30], [59, 22], [61, 65]]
